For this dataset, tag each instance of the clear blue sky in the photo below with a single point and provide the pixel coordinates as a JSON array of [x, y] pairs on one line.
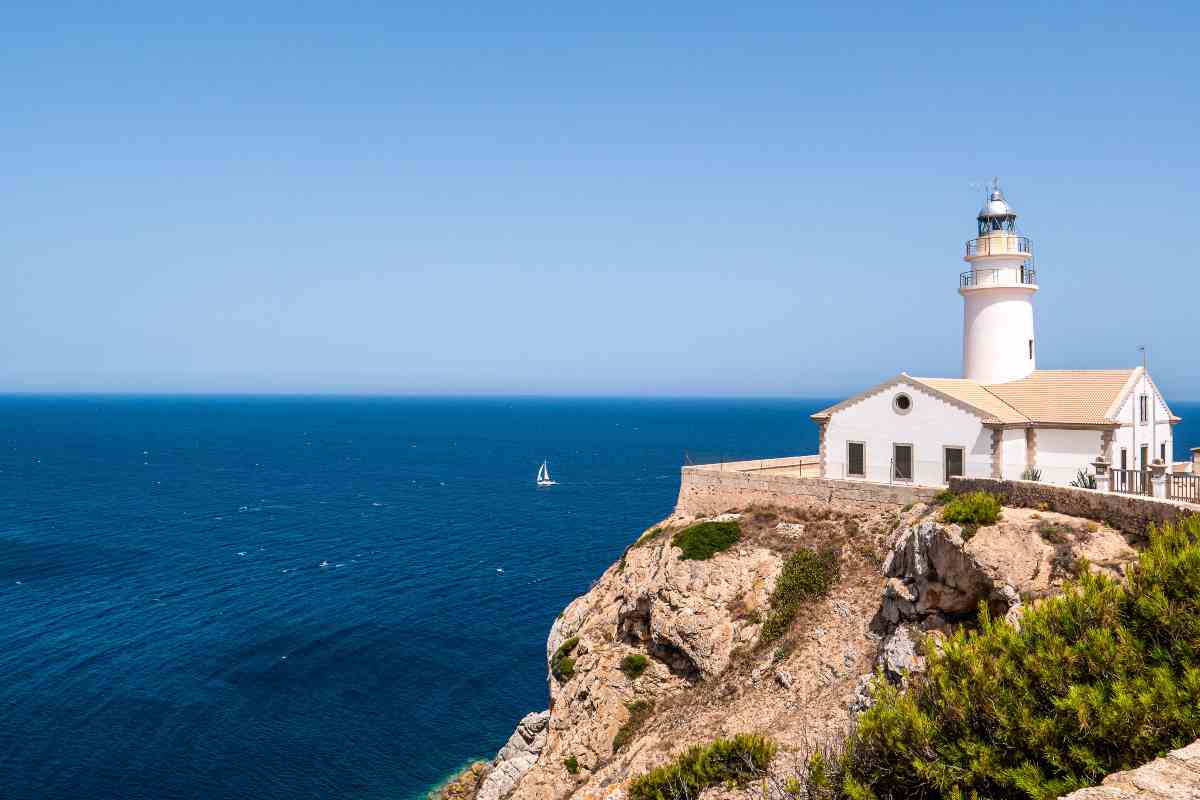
[[679, 198]]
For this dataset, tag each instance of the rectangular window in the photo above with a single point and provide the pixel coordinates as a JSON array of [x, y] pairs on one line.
[[1162, 451], [902, 462], [1145, 456], [1031, 349], [954, 463], [1124, 458], [1144, 409], [856, 459]]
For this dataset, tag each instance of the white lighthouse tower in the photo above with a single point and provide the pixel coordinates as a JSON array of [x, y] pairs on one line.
[[998, 341]]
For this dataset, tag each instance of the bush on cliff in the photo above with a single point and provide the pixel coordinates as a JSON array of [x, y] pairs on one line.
[[703, 540], [806, 575], [735, 761], [634, 664], [976, 508], [1100, 679], [639, 712], [562, 666]]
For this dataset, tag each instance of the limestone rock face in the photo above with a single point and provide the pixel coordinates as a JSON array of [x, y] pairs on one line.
[[1176, 776], [516, 757], [901, 653], [687, 617]]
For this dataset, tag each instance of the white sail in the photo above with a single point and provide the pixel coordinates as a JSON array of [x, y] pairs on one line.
[[543, 476]]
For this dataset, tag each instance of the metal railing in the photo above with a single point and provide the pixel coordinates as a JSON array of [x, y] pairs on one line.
[[1183, 487], [1130, 481], [1003, 245], [997, 277]]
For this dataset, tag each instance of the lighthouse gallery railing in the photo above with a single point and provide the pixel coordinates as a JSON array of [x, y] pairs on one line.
[[999, 246], [997, 277]]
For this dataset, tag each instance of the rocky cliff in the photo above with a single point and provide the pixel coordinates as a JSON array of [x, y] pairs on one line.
[[664, 653]]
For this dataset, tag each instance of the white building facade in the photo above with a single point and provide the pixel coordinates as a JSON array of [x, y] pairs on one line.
[[1004, 418]]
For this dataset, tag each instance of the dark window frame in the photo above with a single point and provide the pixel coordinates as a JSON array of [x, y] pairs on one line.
[[862, 460], [912, 460]]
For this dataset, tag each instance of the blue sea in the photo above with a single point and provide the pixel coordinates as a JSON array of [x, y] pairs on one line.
[[306, 597]]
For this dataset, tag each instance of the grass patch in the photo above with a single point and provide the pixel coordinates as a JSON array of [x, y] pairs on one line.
[[633, 665], [806, 575], [562, 666], [702, 541], [648, 537], [976, 508], [730, 762], [1100, 679], [639, 712], [572, 764]]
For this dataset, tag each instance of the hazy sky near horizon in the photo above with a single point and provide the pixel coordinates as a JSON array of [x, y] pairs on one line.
[[678, 198]]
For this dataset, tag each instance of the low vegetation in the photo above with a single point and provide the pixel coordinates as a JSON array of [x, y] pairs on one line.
[[1084, 480], [974, 509], [1031, 474], [572, 764], [562, 666], [639, 712], [1102, 678], [703, 540], [944, 497], [806, 576], [731, 762], [634, 664]]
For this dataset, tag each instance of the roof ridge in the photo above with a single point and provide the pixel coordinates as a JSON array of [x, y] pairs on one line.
[[1016, 410]]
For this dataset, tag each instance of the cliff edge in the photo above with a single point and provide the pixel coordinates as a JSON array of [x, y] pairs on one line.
[[674, 647]]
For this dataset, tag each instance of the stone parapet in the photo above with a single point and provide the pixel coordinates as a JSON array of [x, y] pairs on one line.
[[1129, 513], [713, 489]]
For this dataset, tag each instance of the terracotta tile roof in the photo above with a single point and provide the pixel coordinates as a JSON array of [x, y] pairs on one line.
[[1048, 397], [975, 395], [1078, 397]]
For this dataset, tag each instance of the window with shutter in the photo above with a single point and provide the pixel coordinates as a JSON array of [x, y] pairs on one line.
[[902, 466], [856, 459], [954, 463]]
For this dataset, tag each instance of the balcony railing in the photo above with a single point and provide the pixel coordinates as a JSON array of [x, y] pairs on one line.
[[999, 246], [1007, 276]]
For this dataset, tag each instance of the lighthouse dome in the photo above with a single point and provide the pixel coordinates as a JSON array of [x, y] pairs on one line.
[[996, 206]]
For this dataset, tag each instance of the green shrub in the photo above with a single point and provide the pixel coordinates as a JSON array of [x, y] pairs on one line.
[[1084, 480], [562, 667], [639, 712], [734, 762], [703, 540], [976, 508], [1100, 679], [572, 764], [806, 575], [943, 497], [634, 664], [1031, 474]]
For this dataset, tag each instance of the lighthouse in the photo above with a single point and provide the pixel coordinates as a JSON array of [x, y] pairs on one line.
[[997, 291]]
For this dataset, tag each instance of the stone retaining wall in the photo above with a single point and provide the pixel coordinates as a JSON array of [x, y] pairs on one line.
[[716, 488], [1128, 513]]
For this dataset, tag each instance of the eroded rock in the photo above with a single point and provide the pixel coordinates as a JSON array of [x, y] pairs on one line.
[[516, 757]]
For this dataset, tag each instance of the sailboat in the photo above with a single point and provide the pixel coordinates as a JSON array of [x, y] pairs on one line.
[[543, 478]]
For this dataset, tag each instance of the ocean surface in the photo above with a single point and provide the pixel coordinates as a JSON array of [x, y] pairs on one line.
[[311, 598], [314, 598]]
